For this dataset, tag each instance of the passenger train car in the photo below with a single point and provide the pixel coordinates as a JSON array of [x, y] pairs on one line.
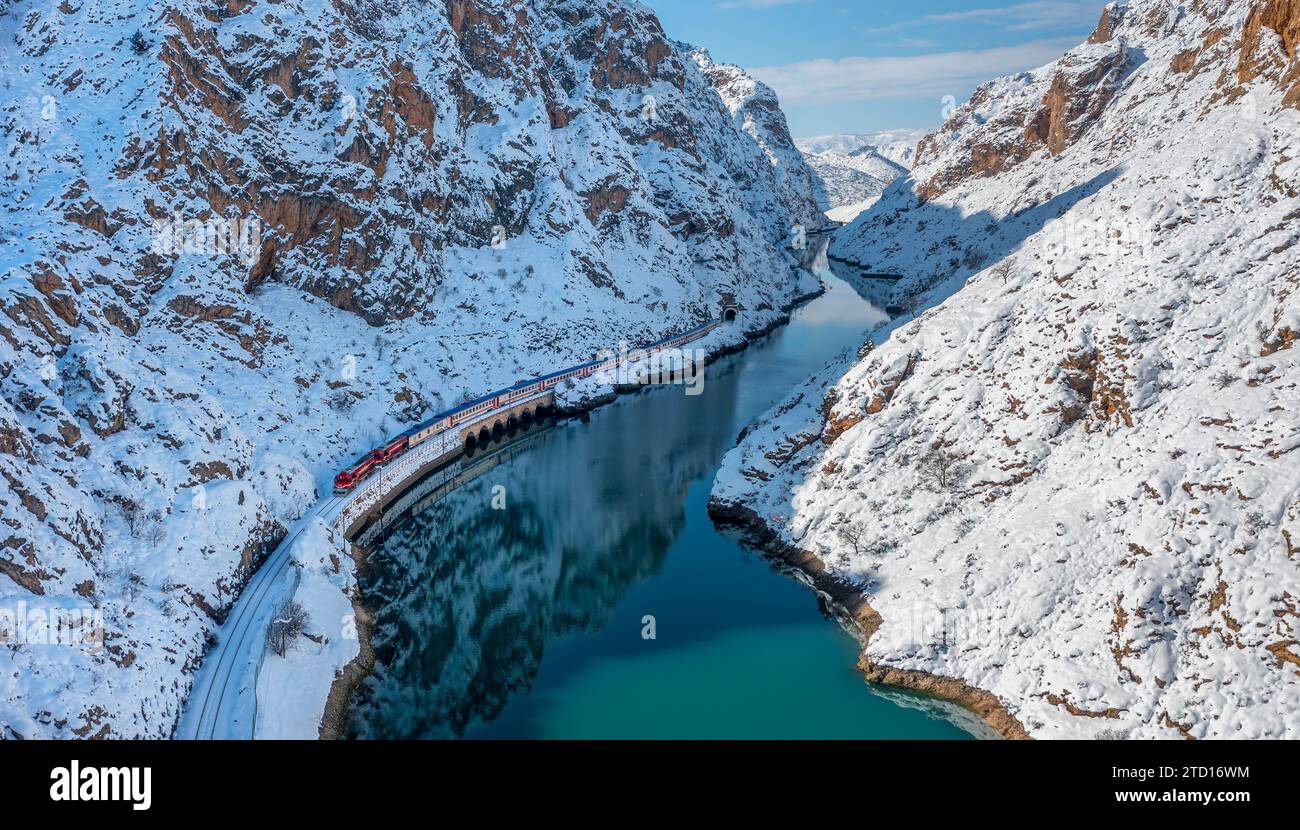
[[362, 468]]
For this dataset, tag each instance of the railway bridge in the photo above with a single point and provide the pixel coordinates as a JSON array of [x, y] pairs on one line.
[[506, 419], [372, 499], [477, 423]]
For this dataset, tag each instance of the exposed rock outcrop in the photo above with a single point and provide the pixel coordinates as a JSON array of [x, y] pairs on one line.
[[1268, 46], [1005, 128]]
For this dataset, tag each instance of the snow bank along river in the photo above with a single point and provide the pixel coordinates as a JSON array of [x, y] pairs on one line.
[[580, 590]]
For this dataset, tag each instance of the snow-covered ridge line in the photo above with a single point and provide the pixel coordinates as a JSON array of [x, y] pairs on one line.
[[898, 146], [851, 172]]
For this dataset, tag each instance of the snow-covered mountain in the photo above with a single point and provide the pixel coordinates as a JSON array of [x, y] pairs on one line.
[[847, 184], [896, 145], [1067, 479], [852, 170], [756, 112], [244, 240]]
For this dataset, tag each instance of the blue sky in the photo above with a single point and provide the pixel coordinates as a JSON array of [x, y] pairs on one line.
[[867, 65]]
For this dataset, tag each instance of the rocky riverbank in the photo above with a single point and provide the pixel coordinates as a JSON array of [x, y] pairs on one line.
[[854, 611]]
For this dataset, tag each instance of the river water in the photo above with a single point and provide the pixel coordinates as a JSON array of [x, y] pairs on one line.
[[517, 606]]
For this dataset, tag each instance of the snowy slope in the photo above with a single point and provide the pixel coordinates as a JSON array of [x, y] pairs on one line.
[[845, 214], [1071, 476], [851, 170], [857, 178], [757, 113], [427, 201]]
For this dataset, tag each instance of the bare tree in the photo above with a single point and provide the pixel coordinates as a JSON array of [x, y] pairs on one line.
[[134, 585], [289, 623], [141, 523], [938, 469], [974, 258], [133, 514], [1006, 269], [341, 402], [828, 404], [1257, 523], [910, 304], [853, 534]]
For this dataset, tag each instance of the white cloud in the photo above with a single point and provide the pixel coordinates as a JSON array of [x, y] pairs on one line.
[[829, 81], [1041, 14]]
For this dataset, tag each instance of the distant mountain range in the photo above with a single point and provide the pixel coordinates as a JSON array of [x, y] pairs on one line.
[[852, 170], [896, 145]]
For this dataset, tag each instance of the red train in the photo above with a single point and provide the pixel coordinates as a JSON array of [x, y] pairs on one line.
[[348, 478], [394, 448]]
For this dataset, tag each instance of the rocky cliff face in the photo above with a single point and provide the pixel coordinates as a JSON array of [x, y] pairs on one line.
[[756, 112], [244, 239], [1008, 121], [1067, 473], [1268, 47]]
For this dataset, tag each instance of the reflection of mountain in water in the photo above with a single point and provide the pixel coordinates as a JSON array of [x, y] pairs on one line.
[[466, 597], [813, 256], [874, 290]]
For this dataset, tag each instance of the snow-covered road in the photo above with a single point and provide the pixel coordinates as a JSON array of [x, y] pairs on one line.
[[223, 701]]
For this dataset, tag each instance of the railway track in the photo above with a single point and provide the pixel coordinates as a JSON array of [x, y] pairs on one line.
[[211, 711]]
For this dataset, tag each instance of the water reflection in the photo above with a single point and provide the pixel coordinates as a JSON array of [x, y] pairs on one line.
[[587, 513], [526, 621], [876, 291]]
